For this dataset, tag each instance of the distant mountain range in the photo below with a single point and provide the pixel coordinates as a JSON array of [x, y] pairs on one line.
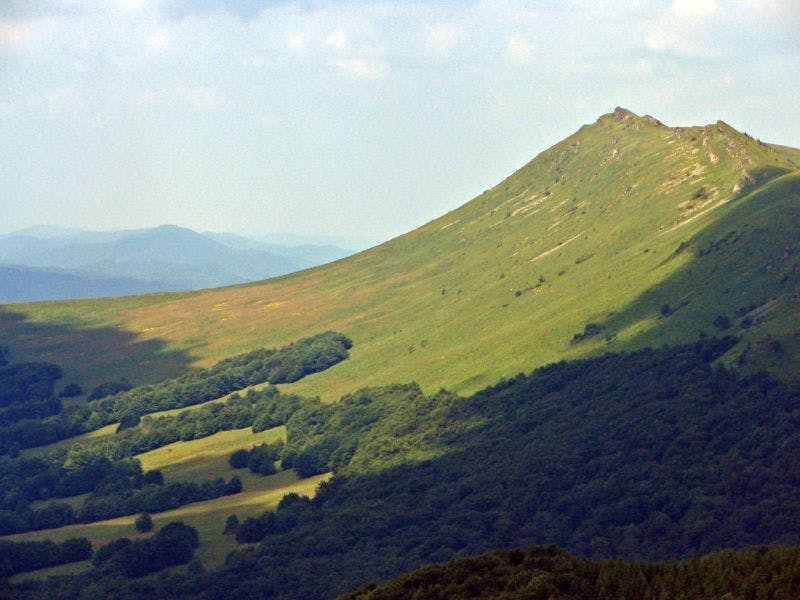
[[52, 263]]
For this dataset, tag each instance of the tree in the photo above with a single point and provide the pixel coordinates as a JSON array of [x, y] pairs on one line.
[[144, 523], [238, 460], [231, 524], [154, 477], [262, 459], [71, 390], [234, 486], [129, 421], [109, 388], [251, 530], [76, 549], [722, 322], [105, 552]]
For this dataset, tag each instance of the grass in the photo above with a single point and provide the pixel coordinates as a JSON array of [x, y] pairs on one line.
[[606, 227], [208, 518], [196, 460], [207, 458], [588, 231], [68, 443]]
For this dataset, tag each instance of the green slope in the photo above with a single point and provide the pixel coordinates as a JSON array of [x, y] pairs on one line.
[[606, 227]]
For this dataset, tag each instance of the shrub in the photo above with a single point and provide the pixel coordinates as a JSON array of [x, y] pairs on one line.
[[71, 390], [238, 460], [234, 486], [231, 524], [722, 322], [109, 388], [144, 523]]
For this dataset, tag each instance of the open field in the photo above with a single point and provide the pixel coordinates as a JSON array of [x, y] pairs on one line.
[[66, 444], [207, 458], [262, 493]]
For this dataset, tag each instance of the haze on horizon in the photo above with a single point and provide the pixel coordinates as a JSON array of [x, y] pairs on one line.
[[350, 118]]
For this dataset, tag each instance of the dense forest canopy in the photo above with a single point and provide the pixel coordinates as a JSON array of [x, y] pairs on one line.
[[651, 455], [552, 574], [105, 470]]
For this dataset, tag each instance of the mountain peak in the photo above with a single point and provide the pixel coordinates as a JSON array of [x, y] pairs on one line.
[[630, 118], [624, 113]]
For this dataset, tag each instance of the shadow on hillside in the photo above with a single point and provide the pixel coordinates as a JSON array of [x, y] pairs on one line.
[[84, 353], [735, 270], [604, 458]]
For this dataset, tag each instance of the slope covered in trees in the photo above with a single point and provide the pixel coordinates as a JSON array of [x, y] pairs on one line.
[[105, 470], [651, 455], [554, 574], [274, 365]]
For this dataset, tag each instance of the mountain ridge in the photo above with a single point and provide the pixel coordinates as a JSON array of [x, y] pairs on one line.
[[85, 264], [617, 237]]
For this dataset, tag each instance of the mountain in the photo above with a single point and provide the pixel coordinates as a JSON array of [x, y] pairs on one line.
[[138, 261], [315, 254], [628, 233], [27, 284], [649, 455], [654, 268]]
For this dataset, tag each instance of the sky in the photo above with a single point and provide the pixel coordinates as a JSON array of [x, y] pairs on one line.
[[350, 118]]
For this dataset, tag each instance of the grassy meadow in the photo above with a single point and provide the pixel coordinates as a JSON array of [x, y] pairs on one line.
[[207, 517], [622, 218], [196, 460], [207, 458]]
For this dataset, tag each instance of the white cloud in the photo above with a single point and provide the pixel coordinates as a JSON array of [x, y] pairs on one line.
[[693, 9], [519, 49], [132, 5], [267, 119], [159, 42], [441, 37], [296, 41], [661, 39], [17, 32], [361, 68], [201, 98], [337, 39], [64, 99], [643, 67]]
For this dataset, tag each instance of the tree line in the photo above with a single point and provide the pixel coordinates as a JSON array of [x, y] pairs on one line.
[[649, 455], [547, 572], [173, 544], [282, 365]]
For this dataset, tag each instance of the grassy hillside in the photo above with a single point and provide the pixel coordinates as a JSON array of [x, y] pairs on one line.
[[648, 232], [207, 517], [196, 460]]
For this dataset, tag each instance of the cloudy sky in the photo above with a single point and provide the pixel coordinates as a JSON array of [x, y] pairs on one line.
[[350, 117]]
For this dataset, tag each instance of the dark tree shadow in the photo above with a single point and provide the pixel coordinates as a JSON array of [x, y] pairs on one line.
[[737, 273], [91, 355]]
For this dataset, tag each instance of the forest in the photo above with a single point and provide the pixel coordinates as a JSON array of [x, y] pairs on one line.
[[282, 365], [552, 574], [106, 470], [693, 458]]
